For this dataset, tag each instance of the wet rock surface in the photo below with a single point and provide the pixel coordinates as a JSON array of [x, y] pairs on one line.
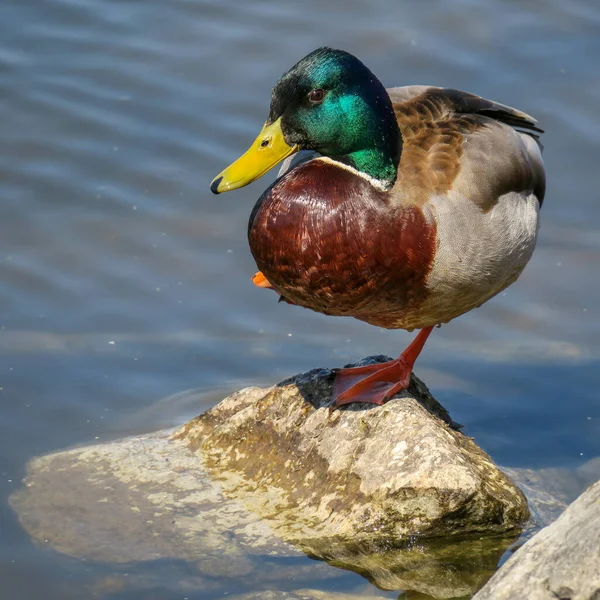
[[394, 493], [562, 561]]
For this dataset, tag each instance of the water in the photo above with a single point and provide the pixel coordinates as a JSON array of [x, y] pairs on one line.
[[124, 281]]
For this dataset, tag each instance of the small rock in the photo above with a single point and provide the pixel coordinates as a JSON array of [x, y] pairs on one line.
[[562, 561]]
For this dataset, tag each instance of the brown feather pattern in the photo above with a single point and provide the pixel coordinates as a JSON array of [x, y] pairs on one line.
[[435, 125], [327, 240]]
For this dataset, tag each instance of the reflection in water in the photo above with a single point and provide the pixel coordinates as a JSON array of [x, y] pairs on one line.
[[123, 280], [435, 568]]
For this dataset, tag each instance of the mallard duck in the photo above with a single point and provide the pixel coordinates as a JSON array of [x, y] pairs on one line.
[[412, 206]]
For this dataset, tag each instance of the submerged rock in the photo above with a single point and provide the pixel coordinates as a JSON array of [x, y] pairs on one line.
[[395, 493], [551, 489], [304, 594], [140, 499], [371, 477], [561, 561]]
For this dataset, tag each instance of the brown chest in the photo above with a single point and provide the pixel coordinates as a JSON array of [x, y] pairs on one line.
[[327, 240]]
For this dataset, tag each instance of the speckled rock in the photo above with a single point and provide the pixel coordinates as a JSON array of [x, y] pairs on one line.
[[271, 473], [363, 475], [562, 561]]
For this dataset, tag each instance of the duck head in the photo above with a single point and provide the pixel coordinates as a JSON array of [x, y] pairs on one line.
[[329, 102]]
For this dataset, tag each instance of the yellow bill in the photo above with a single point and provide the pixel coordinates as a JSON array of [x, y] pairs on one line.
[[268, 149]]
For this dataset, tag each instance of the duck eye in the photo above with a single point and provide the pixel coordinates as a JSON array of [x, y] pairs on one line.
[[316, 96]]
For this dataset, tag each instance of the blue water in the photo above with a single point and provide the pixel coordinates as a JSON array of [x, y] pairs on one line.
[[123, 281]]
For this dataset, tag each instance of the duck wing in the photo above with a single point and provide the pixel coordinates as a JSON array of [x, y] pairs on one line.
[[460, 143], [444, 102]]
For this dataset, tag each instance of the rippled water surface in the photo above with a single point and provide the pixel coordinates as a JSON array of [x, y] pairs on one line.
[[124, 281]]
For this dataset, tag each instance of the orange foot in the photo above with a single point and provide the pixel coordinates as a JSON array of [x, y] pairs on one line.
[[377, 383], [261, 281]]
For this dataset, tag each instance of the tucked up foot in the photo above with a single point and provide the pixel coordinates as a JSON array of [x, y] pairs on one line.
[[259, 280], [377, 383]]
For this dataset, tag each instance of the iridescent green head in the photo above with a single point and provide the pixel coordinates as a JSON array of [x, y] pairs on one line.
[[329, 102], [332, 103]]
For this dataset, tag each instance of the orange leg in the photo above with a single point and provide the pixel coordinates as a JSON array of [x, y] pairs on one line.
[[378, 383]]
